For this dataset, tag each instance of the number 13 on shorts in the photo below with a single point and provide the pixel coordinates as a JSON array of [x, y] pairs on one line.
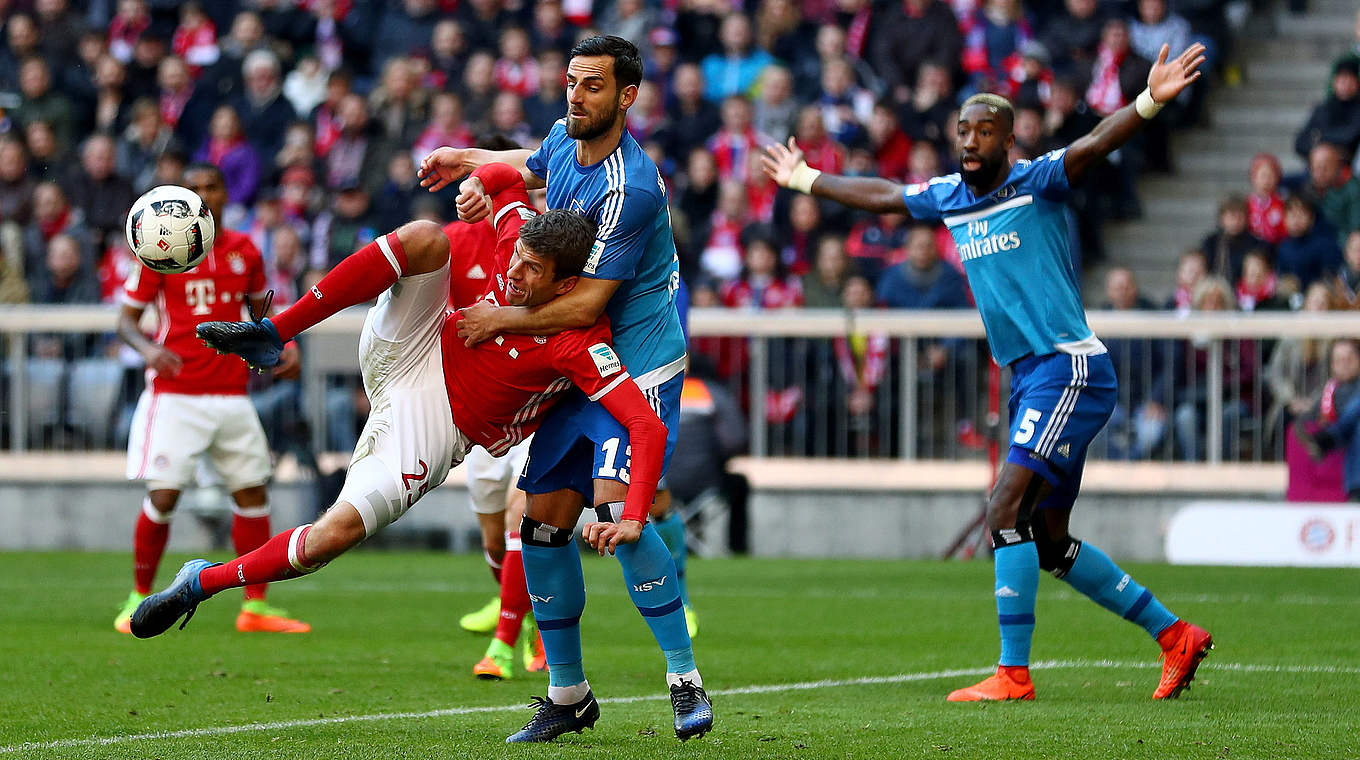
[[611, 468], [1024, 432]]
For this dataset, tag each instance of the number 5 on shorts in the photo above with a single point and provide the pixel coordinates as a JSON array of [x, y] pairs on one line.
[[1025, 433], [610, 448]]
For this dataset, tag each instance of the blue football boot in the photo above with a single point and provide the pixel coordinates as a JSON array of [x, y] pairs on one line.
[[257, 342], [552, 720], [693, 711], [159, 611]]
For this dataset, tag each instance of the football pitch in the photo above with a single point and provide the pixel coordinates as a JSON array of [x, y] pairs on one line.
[[804, 659]]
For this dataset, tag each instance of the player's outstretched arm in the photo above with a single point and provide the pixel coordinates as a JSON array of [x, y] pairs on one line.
[[580, 307], [1166, 80], [786, 166], [444, 166], [647, 442]]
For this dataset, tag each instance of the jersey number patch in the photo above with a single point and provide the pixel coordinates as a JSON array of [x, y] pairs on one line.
[[1026, 431], [610, 448]]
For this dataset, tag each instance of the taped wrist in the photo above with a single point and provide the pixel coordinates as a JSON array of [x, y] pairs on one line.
[[610, 511], [1146, 106], [535, 533], [802, 177]]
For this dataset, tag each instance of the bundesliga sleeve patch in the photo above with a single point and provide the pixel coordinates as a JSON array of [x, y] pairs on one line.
[[593, 263], [918, 188], [606, 361]]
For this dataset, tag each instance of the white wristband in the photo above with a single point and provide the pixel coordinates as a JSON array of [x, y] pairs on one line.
[[1146, 106], [802, 177]]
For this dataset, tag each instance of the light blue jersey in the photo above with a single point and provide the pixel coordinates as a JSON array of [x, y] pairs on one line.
[[625, 195], [1013, 244]]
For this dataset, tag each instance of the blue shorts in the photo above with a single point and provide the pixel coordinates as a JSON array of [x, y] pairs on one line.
[[580, 441], [1058, 404]]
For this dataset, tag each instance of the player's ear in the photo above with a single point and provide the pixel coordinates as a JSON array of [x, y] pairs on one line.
[[565, 285], [627, 97]]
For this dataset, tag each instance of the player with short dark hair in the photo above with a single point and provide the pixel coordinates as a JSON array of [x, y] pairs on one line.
[[591, 165], [195, 404], [1008, 221]]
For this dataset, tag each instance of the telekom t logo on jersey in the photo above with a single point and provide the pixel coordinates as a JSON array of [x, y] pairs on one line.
[[200, 294]]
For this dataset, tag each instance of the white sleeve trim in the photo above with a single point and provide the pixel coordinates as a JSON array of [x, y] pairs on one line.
[[496, 220], [612, 385]]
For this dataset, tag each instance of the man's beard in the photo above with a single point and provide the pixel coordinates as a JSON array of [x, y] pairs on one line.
[[983, 174], [585, 129]]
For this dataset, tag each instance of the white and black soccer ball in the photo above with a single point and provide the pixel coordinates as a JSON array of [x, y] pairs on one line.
[[170, 229]]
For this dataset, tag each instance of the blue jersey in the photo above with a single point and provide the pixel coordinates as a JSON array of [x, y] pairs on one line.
[[1013, 244], [625, 195]]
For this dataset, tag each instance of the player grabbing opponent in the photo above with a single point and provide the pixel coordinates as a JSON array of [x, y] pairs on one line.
[[590, 165], [195, 404], [1009, 226]]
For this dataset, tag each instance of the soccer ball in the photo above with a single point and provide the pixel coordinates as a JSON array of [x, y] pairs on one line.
[[170, 229]]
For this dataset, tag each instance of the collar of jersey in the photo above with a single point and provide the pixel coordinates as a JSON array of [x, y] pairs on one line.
[[576, 163]]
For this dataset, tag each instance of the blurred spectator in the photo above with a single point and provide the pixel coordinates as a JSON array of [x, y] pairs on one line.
[[693, 118], [140, 72], [925, 115], [764, 281], [342, 229], [737, 68], [21, 36], [1297, 366], [264, 112], [1326, 186], [891, 146], [909, 34], [698, 22], [1156, 26], [819, 149], [1031, 83], [195, 38], [692, 207], [392, 207], [1309, 251], [446, 126], [923, 281], [861, 361], [75, 76], [782, 30], [13, 287], [995, 34], [550, 30], [53, 215], [1073, 36], [108, 112], [448, 54], [40, 103], [1231, 240], [228, 149], [1138, 421], [1191, 362], [16, 189], [845, 106], [516, 70], [875, 243], [176, 92], [46, 159], [646, 119], [296, 151], [98, 189], [776, 106], [1191, 268], [1347, 281], [1332, 424], [286, 265], [1259, 289], [629, 19], [798, 240], [326, 116], [822, 287], [1265, 208], [1118, 74], [481, 19], [305, 86], [547, 104], [398, 107], [1336, 119], [407, 25], [1029, 134], [65, 278], [723, 253], [359, 153], [130, 21], [736, 140], [479, 88]]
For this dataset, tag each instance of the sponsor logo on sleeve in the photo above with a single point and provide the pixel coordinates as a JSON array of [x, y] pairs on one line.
[[606, 361], [596, 251], [918, 188]]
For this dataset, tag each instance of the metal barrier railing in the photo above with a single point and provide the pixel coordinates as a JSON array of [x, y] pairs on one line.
[[825, 383]]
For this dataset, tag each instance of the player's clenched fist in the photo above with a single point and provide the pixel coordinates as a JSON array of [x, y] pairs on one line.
[[607, 536], [473, 203]]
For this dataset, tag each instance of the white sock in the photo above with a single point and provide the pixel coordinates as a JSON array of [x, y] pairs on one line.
[[674, 679], [568, 695]]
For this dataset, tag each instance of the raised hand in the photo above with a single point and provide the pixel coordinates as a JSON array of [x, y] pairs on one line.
[[442, 166], [1167, 79], [779, 161], [472, 202]]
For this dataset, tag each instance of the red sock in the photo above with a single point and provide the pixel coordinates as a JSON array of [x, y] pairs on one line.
[[250, 531], [1171, 634], [1018, 673], [148, 544], [279, 559], [514, 593], [359, 278], [493, 567]]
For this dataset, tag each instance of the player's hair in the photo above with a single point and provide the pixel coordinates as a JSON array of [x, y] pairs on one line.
[[496, 141], [627, 59], [205, 166], [998, 105], [562, 237]]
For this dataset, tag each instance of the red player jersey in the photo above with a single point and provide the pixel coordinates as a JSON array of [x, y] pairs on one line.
[[216, 289], [471, 260], [501, 390]]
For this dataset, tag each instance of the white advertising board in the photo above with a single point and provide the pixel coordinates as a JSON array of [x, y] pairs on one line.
[[1283, 534]]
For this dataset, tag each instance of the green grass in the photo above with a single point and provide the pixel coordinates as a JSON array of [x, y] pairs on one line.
[[387, 642]]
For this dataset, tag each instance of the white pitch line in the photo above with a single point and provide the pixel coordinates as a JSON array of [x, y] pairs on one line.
[[193, 733]]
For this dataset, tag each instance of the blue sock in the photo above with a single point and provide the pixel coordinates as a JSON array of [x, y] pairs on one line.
[[671, 528], [649, 572], [557, 590], [1017, 583], [1098, 577]]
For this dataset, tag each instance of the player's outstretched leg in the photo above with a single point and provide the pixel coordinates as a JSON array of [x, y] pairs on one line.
[[650, 574], [557, 589], [292, 553], [1088, 570], [671, 527]]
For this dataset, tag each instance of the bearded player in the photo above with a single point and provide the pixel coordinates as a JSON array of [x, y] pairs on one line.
[[1012, 237], [591, 165], [195, 405]]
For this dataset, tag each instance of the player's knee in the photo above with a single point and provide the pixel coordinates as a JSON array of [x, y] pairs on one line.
[[162, 501], [535, 533], [425, 244], [1056, 555], [338, 531]]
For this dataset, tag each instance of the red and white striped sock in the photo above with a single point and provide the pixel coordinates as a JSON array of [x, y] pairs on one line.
[[282, 557]]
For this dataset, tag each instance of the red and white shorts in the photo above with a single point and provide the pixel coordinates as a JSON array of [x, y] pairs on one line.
[[172, 431]]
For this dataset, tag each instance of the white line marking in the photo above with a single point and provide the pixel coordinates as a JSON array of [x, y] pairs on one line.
[[193, 733]]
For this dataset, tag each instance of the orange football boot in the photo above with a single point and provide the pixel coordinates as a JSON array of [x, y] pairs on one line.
[[1184, 645], [1007, 683], [258, 617], [535, 659]]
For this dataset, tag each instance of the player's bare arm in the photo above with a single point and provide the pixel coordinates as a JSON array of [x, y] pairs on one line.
[[578, 308], [157, 357], [786, 166], [290, 360], [444, 166], [1166, 80]]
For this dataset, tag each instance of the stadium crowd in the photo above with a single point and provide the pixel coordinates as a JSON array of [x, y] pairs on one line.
[[318, 111]]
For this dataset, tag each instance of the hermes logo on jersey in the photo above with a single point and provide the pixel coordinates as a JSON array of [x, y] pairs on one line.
[[606, 361], [593, 262], [982, 243]]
